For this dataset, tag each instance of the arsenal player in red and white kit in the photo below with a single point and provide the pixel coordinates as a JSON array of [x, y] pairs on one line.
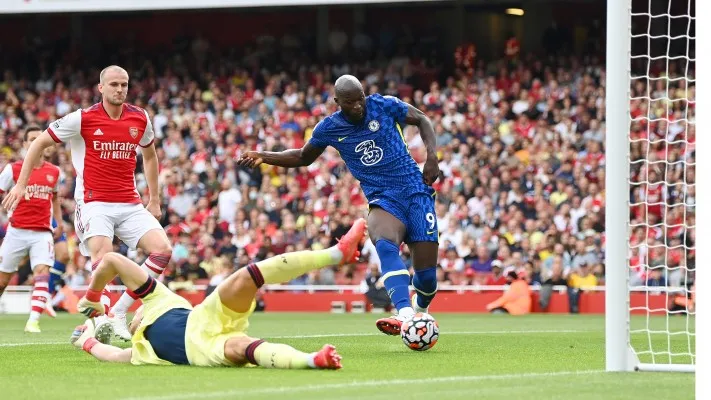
[[30, 228], [103, 140]]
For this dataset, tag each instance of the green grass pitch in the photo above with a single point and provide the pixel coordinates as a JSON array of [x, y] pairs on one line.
[[477, 357]]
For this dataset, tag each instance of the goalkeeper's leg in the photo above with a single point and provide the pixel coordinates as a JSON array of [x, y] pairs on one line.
[[112, 264], [237, 292], [241, 350]]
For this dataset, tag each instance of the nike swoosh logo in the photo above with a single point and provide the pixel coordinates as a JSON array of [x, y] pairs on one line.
[[430, 232], [340, 139]]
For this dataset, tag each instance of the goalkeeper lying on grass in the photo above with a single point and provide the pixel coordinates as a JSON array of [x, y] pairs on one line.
[[169, 331]]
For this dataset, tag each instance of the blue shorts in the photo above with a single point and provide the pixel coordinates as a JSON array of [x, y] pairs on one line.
[[62, 238], [414, 208], [167, 336]]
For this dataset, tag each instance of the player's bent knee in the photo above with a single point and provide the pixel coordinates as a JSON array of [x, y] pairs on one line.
[[41, 269], [236, 349], [243, 281], [155, 241], [237, 292], [99, 246], [111, 258]]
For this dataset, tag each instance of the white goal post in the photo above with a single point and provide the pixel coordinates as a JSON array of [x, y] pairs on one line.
[[650, 184]]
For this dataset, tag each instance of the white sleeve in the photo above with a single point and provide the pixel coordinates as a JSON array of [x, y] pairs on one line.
[[148, 134], [66, 128], [6, 179]]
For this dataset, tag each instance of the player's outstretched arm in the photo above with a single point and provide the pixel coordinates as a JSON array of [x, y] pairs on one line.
[[100, 351], [34, 153], [112, 353], [419, 119], [288, 159]]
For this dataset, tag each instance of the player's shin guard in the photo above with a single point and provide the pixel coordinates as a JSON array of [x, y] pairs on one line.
[[40, 294], [396, 277], [285, 267], [55, 273], [275, 355], [425, 283], [154, 265]]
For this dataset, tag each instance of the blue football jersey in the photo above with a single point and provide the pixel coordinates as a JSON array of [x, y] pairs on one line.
[[375, 150]]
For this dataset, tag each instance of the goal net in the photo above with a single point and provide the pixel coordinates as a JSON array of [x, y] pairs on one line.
[[660, 195]]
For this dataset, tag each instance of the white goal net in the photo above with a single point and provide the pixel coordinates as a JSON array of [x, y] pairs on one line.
[[661, 185]]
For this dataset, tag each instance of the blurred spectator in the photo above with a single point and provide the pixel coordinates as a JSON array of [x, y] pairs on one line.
[[556, 276], [520, 141], [374, 289], [516, 300], [580, 279]]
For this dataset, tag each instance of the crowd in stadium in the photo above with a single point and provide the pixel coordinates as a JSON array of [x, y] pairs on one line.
[[520, 139]]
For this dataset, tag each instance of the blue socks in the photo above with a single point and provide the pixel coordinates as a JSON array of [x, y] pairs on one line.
[[55, 273], [425, 283], [396, 277]]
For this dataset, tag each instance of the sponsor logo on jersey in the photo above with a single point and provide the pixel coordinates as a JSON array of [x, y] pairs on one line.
[[36, 191], [133, 131], [115, 150], [98, 132]]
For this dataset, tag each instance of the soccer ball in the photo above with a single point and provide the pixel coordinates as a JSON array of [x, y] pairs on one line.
[[420, 333]]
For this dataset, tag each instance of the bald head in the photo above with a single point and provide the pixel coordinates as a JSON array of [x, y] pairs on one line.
[[110, 71], [350, 97], [348, 84]]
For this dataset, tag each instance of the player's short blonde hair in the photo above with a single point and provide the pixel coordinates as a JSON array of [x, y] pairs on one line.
[[109, 68]]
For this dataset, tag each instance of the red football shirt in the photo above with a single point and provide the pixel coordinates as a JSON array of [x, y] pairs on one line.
[[34, 211], [104, 151]]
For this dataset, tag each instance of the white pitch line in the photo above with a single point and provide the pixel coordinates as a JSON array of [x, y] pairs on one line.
[[32, 344], [445, 333], [329, 335], [351, 384]]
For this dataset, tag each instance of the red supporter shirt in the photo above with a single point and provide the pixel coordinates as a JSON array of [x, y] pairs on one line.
[[104, 151], [34, 211]]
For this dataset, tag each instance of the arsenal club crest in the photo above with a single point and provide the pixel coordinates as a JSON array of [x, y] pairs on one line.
[[50, 178], [133, 131]]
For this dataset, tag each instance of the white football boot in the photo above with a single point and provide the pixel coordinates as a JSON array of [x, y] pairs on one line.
[[99, 328], [120, 326]]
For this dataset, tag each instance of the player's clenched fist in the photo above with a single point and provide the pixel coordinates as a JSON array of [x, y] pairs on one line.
[[13, 197], [430, 172], [250, 159], [154, 208]]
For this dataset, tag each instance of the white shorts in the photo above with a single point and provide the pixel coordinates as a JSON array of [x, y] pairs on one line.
[[19, 242], [128, 222]]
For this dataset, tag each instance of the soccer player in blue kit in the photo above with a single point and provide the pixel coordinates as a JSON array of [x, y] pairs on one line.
[[367, 133]]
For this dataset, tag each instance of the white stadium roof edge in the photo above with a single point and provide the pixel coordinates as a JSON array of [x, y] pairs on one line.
[[53, 6]]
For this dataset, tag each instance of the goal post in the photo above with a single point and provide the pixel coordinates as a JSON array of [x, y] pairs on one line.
[[650, 185], [618, 352]]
